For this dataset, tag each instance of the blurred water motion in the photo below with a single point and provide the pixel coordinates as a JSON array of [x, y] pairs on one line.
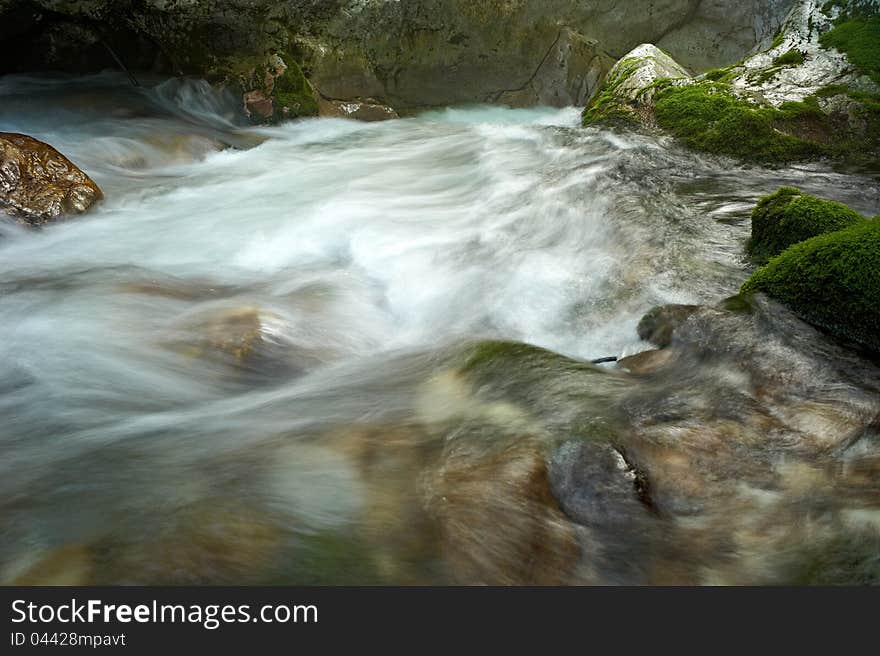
[[294, 355]]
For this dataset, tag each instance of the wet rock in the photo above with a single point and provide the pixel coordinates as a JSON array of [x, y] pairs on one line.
[[248, 339], [237, 334], [658, 325], [212, 541], [499, 522], [644, 362], [367, 111], [38, 184], [275, 90], [395, 527], [596, 486]]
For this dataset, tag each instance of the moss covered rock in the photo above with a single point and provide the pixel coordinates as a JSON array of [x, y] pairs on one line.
[[788, 216], [627, 92], [709, 116], [274, 89], [832, 281], [814, 93]]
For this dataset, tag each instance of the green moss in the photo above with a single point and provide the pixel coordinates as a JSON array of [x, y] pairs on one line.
[[293, 94], [832, 281], [797, 110], [501, 353], [765, 75], [708, 116], [790, 58], [787, 217], [859, 38], [831, 90], [777, 40], [716, 74], [606, 108]]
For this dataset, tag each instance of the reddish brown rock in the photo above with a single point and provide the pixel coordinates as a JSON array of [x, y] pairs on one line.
[[38, 184]]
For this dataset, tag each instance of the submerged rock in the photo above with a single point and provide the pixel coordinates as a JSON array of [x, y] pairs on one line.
[[38, 184], [658, 325], [788, 216], [220, 540], [499, 522], [246, 340], [628, 91]]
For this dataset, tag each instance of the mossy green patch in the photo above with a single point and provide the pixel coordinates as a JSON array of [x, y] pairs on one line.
[[832, 281], [293, 94], [831, 90], [708, 116], [788, 216], [858, 37], [490, 354], [790, 58], [606, 108]]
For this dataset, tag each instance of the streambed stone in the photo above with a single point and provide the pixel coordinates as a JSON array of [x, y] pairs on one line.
[[38, 184]]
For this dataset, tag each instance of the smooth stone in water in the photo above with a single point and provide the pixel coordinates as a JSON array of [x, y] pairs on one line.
[[38, 184]]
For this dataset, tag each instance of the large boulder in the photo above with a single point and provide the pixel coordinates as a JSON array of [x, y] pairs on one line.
[[38, 184]]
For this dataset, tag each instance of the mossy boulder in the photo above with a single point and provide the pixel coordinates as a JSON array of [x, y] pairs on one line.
[[658, 325], [832, 281], [788, 216], [626, 94]]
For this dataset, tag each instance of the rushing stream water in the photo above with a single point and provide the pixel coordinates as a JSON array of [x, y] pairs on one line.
[[254, 361]]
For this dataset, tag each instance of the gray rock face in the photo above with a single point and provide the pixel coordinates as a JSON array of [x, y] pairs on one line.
[[762, 77], [406, 54]]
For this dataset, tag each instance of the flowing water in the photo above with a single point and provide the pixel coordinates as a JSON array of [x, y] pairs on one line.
[[268, 356]]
